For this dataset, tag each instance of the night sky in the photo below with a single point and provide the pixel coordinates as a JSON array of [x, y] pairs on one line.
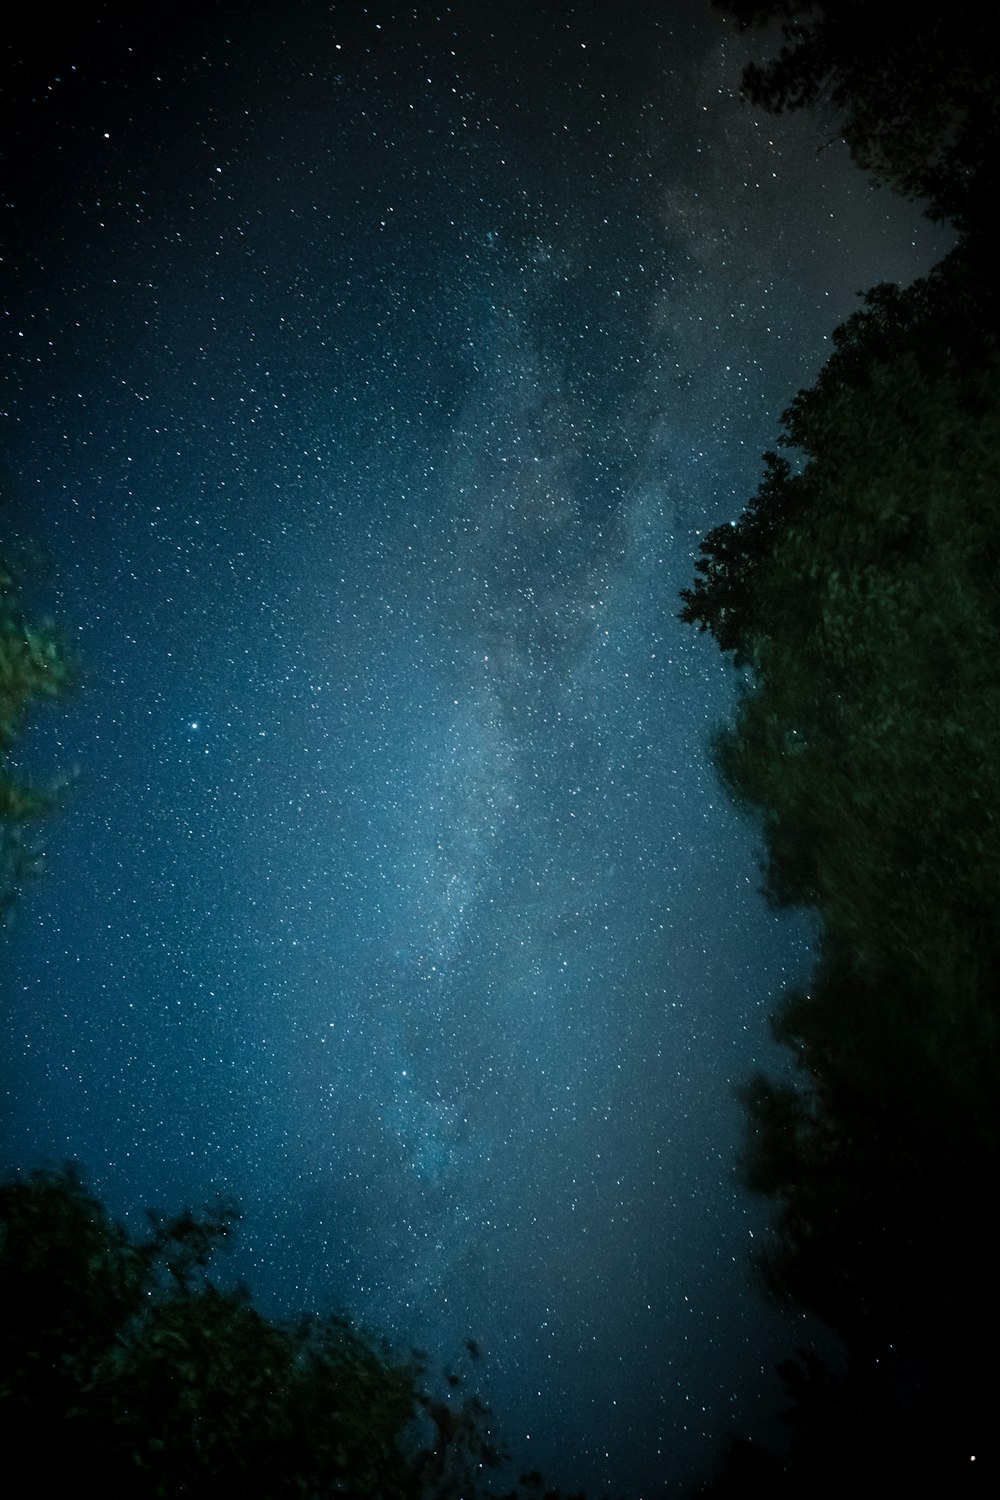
[[369, 376]]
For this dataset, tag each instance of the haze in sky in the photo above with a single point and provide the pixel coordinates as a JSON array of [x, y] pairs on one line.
[[371, 374]]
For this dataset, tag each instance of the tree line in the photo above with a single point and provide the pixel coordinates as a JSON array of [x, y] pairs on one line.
[[128, 1366], [858, 597]]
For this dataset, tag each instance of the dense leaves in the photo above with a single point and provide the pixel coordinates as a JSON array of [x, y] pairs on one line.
[[34, 667], [915, 94], [860, 589], [859, 595], [126, 1370]]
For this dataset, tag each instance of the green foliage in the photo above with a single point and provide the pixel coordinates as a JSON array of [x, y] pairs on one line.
[[723, 599], [860, 591], [34, 668], [859, 597], [125, 1369]]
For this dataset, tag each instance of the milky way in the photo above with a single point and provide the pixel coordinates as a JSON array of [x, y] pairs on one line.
[[371, 380]]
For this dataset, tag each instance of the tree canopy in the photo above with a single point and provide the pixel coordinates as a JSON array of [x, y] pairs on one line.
[[859, 592], [858, 598], [126, 1370], [34, 667], [125, 1367], [916, 96]]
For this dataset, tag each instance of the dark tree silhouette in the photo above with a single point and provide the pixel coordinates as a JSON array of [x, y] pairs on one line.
[[859, 590], [858, 595], [34, 667], [126, 1370], [916, 94]]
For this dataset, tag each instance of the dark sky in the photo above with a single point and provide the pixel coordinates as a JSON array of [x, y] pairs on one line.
[[369, 374]]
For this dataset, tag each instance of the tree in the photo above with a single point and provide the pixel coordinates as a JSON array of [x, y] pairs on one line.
[[917, 97], [34, 668], [859, 592], [722, 599], [882, 1167], [126, 1370], [858, 597]]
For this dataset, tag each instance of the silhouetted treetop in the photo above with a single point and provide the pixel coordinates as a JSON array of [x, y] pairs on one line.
[[34, 668], [915, 93], [125, 1370]]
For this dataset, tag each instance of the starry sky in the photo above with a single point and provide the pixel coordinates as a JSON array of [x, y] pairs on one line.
[[369, 374]]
